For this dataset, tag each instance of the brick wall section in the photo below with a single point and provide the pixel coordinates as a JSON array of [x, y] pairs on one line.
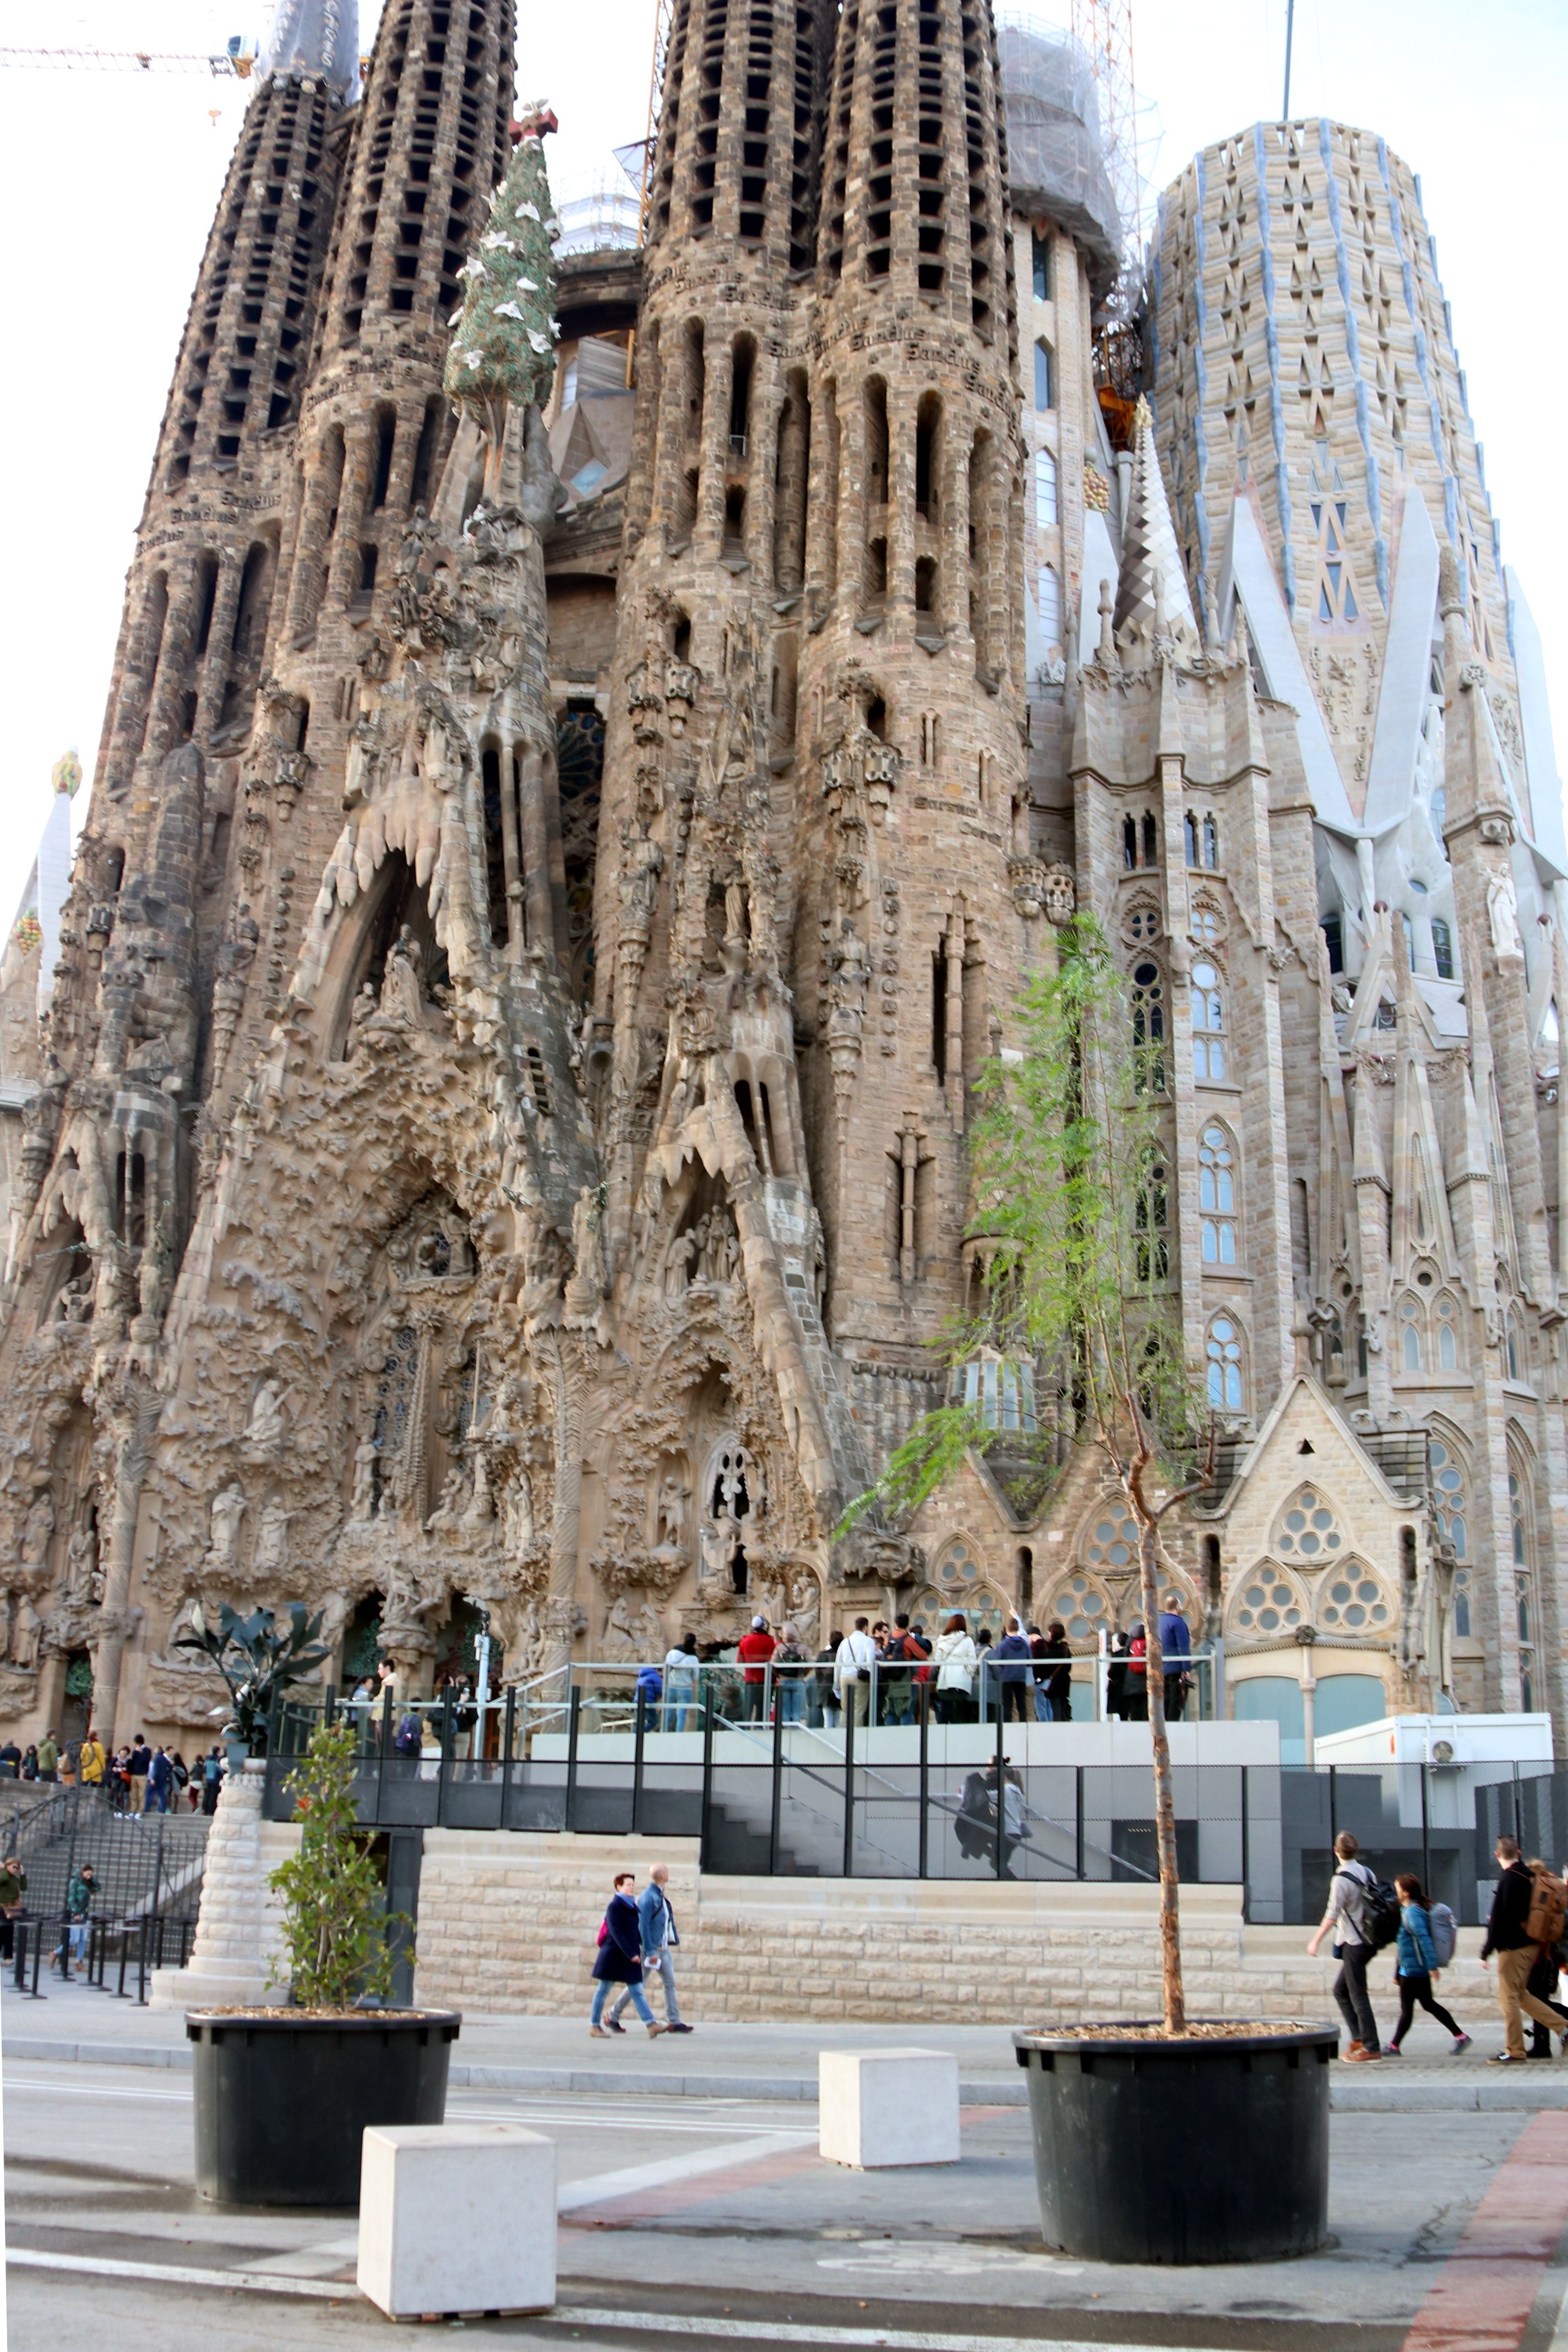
[[509, 1924]]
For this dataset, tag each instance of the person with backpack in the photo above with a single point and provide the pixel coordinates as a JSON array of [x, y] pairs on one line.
[[1530, 1908], [1364, 1915], [1543, 1982], [1417, 1961]]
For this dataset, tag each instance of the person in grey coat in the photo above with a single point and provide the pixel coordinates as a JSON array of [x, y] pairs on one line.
[[656, 1922]]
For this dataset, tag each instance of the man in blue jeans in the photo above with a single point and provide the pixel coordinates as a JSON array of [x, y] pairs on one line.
[[659, 1937]]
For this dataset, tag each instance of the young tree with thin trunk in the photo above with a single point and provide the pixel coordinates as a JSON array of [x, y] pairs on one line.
[[1069, 1198]]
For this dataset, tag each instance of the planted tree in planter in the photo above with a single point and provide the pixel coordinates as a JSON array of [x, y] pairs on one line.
[[1181, 2142], [259, 1663], [283, 2096], [336, 1928], [1071, 1193]]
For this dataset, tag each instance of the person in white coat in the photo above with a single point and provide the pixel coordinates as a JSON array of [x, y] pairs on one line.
[[852, 1671], [954, 1660]]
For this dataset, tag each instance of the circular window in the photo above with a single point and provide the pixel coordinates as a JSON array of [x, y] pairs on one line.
[[1354, 1602], [1307, 1530], [1114, 1540], [1080, 1608], [1267, 1606], [958, 1567]]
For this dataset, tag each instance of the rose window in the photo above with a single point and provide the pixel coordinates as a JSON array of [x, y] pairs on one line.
[[1269, 1605], [1353, 1601], [1309, 1530], [1113, 1539], [959, 1567], [1081, 1609]]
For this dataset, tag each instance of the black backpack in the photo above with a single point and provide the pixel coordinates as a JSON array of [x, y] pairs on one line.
[[1379, 1909]]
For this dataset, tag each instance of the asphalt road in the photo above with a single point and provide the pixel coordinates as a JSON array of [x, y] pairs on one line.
[[718, 2221]]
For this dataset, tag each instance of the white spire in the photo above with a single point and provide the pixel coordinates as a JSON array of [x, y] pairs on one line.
[[1151, 598]]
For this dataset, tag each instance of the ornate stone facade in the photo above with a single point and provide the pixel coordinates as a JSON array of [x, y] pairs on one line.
[[496, 1150]]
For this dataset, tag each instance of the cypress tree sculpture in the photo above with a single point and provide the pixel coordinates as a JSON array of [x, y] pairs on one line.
[[503, 349]]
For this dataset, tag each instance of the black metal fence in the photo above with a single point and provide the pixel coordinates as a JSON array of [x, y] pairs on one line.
[[830, 1806], [147, 1873]]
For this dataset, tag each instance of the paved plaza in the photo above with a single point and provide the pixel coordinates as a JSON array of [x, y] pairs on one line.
[[704, 2211]]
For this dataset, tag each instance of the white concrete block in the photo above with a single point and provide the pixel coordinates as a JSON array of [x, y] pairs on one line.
[[456, 2217], [881, 2107]]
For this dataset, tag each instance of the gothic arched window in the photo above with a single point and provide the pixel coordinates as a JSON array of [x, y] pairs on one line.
[[1208, 1022], [1307, 1529], [1151, 1218], [1045, 490], [1216, 1196], [1448, 1488], [1149, 1028], [1523, 1550], [1410, 1334], [1222, 1349], [1447, 1332], [1211, 843], [1442, 947], [1002, 1391]]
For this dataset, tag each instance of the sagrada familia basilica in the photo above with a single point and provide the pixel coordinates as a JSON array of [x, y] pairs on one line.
[[598, 739]]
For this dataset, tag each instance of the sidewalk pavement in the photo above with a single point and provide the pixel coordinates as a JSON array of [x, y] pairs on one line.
[[554, 2055]]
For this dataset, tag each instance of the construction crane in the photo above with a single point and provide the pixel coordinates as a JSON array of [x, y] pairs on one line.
[[235, 64], [636, 158]]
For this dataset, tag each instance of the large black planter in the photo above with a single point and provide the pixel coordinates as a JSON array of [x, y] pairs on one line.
[[282, 2099], [1191, 2151]]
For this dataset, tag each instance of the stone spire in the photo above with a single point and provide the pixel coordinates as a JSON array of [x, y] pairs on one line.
[[1151, 598], [313, 36]]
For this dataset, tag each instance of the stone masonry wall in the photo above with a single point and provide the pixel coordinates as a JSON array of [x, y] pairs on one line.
[[509, 1924]]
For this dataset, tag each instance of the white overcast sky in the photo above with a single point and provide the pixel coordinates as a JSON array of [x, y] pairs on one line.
[[107, 182]]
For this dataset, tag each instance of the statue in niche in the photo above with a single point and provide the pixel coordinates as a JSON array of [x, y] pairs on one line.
[[26, 1633], [402, 987], [229, 1507], [75, 1302], [153, 1276], [363, 1503], [362, 1012], [700, 1233], [433, 1252], [722, 1251], [480, 1507], [851, 979], [36, 1529], [82, 1566], [587, 1249], [4, 1625], [805, 1608], [671, 1518], [518, 1514], [449, 1508], [683, 1249], [264, 1430], [720, 1542], [1502, 912], [629, 1635], [273, 1540]]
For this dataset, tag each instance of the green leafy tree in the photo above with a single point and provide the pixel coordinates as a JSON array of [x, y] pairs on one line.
[[503, 352], [259, 1665], [337, 1946], [1070, 1179]]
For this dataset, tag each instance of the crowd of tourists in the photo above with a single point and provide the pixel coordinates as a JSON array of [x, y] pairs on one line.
[[1527, 1936], [136, 1778], [900, 1672]]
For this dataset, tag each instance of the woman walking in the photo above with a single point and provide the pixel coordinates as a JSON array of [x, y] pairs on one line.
[[1415, 1966], [619, 1960]]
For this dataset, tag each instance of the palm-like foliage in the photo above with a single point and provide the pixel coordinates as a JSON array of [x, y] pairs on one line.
[[258, 1662], [1068, 1218]]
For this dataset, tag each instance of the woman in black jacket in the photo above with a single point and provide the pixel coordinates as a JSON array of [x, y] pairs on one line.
[[619, 1960], [1054, 1681]]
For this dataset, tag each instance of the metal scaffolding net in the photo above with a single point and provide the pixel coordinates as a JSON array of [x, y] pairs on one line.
[[1055, 147]]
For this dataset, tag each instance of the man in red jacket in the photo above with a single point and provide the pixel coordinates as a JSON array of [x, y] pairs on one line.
[[752, 1651]]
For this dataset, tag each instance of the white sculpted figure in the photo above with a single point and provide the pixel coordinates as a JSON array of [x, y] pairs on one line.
[[1503, 910], [229, 1507], [273, 1540], [81, 1565], [673, 1497], [26, 1633], [264, 1430], [363, 1503], [36, 1529]]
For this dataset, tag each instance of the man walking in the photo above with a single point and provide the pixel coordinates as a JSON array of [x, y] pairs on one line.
[[1509, 1936], [49, 1758], [159, 1781], [1346, 1916], [659, 1936], [137, 1762], [852, 1672]]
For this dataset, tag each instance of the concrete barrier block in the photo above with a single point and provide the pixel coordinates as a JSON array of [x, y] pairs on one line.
[[421, 2186], [884, 2108]]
